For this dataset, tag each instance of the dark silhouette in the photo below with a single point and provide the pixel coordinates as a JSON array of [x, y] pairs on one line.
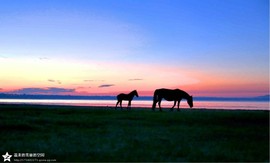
[[175, 95], [126, 97]]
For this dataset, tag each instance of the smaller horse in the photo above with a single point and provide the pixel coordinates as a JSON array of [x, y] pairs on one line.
[[126, 97], [175, 95]]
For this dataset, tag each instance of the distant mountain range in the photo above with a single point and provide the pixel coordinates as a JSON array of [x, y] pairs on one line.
[[71, 97]]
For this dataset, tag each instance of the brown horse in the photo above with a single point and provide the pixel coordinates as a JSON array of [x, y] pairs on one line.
[[127, 97], [175, 95]]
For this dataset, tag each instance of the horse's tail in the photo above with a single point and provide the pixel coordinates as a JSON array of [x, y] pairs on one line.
[[155, 98]]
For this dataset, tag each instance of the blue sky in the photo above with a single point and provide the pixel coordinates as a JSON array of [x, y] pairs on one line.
[[228, 39]]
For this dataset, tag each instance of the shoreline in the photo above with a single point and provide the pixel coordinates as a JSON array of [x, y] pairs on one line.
[[211, 105], [165, 109]]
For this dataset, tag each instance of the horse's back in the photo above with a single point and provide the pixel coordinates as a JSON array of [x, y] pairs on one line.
[[165, 91], [170, 90], [169, 94], [162, 90], [123, 96]]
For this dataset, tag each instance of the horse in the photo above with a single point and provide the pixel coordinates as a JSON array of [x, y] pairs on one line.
[[175, 95], [126, 97]]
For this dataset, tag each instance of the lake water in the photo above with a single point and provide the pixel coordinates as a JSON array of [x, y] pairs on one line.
[[230, 105]]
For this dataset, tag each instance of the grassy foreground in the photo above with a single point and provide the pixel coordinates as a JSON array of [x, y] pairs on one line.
[[79, 134]]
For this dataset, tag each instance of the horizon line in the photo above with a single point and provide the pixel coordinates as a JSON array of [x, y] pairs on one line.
[[81, 96]]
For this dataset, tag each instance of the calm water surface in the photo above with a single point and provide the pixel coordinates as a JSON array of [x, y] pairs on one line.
[[231, 105]]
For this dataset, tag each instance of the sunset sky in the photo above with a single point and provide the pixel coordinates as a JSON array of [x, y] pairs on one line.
[[105, 47]]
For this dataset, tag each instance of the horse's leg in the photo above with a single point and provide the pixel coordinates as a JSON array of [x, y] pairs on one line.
[[129, 105], [178, 104], [159, 102], [173, 105], [121, 104], [117, 104], [154, 105]]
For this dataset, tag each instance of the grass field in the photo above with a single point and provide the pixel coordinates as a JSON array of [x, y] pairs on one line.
[[80, 134]]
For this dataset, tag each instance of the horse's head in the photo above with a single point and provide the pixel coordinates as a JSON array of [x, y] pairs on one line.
[[136, 93], [190, 101]]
